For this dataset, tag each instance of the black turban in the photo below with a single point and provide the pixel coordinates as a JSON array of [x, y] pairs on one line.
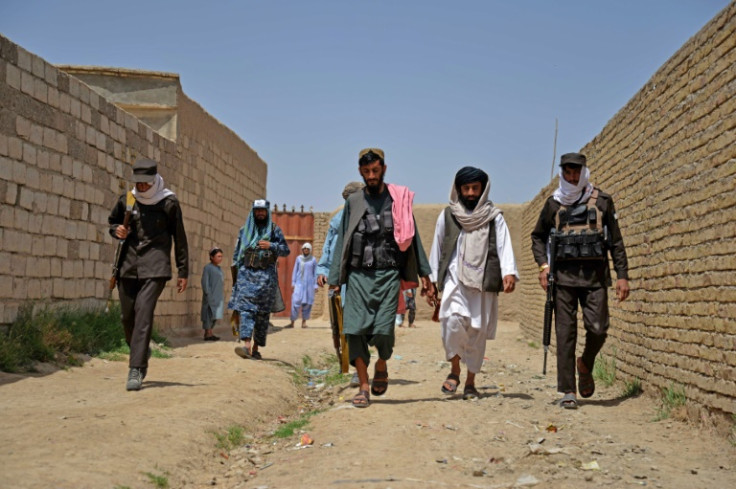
[[469, 174]]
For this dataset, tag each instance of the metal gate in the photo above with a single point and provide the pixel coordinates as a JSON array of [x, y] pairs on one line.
[[298, 228]]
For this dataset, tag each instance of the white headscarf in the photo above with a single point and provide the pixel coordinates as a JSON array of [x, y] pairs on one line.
[[309, 256], [472, 259], [567, 193], [304, 259], [153, 195]]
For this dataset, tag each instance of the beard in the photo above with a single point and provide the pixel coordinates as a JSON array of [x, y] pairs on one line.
[[261, 222], [469, 203], [373, 188]]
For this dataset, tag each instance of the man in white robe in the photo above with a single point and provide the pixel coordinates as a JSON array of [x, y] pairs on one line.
[[472, 261]]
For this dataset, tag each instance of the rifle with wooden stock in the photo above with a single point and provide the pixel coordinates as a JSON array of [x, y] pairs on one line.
[[339, 341], [549, 306], [129, 203]]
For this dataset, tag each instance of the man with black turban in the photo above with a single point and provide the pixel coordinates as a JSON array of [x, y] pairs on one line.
[[472, 261]]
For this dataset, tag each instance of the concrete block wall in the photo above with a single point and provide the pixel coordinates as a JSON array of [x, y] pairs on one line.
[[65, 155], [669, 159]]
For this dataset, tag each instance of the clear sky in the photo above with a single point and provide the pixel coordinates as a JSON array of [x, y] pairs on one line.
[[437, 84]]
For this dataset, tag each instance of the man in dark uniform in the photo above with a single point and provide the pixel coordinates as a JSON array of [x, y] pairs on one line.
[[145, 260], [377, 247], [586, 229]]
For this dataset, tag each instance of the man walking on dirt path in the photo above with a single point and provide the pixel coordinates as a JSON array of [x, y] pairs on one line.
[[378, 247], [144, 266], [586, 228], [255, 281], [472, 261]]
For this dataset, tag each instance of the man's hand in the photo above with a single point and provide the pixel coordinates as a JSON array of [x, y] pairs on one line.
[[181, 285], [429, 291], [622, 289], [264, 245], [543, 279], [121, 232], [335, 288], [321, 280], [509, 284]]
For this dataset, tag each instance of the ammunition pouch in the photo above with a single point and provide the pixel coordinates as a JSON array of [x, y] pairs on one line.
[[259, 259], [373, 246], [580, 245], [581, 235]]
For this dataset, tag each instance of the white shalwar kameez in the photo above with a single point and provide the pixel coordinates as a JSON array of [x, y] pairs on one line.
[[469, 316]]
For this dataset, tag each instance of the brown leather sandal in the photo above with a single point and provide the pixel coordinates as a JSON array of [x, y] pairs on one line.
[[362, 399]]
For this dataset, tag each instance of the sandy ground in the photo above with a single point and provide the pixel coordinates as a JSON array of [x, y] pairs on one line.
[[79, 428]]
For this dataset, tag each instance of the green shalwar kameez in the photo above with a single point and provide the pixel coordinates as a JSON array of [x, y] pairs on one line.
[[371, 296]]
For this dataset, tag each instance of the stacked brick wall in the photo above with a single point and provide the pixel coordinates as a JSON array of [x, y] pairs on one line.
[[321, 225], [65, 153], [669, 159]]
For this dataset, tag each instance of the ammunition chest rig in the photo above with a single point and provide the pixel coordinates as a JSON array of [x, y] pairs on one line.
[[581, 234], [258, 258], [373, 244]]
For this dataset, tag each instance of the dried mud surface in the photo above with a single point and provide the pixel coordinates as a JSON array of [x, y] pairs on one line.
[[79, 428]]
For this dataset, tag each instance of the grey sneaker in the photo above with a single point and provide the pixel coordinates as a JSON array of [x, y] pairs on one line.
[[135, 380], [355, 381]]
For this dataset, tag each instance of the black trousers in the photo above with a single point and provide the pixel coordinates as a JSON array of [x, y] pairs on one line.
[[594, 304], [137, 301]]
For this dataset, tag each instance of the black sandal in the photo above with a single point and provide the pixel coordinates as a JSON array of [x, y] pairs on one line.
[[453, 389], [379, 386], [586, 383], [470, 392]]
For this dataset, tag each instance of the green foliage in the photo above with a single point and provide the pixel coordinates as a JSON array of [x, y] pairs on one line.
[[161, 351], [232, 438], [533, 344], [334, 376], [632, 388], [672, 397], [57, 333], [288, 429], [159, 339], [604, 370], [160, 481], [41, 333], [119, 354]]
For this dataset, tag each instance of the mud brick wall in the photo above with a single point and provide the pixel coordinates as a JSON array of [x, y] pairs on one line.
[[321, 225], [65, 155], [669, 159]]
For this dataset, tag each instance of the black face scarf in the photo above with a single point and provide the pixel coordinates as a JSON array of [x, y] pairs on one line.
[[469, 174]]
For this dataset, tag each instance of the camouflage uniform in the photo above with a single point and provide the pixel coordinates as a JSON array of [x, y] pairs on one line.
[[255, 290]]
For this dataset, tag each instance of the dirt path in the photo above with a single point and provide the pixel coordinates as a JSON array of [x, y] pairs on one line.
[[79, 428]]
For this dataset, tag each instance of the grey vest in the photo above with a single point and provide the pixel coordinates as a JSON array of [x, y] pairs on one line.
[[408, 264], [492, 280]]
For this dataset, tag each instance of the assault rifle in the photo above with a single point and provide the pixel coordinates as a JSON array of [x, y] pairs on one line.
[[129, 203], [549, 306]]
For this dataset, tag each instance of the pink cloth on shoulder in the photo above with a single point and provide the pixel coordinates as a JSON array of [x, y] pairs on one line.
[[403, 215]]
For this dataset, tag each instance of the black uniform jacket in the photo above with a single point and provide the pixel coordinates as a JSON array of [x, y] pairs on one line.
[[147, 250], [582, 273]]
